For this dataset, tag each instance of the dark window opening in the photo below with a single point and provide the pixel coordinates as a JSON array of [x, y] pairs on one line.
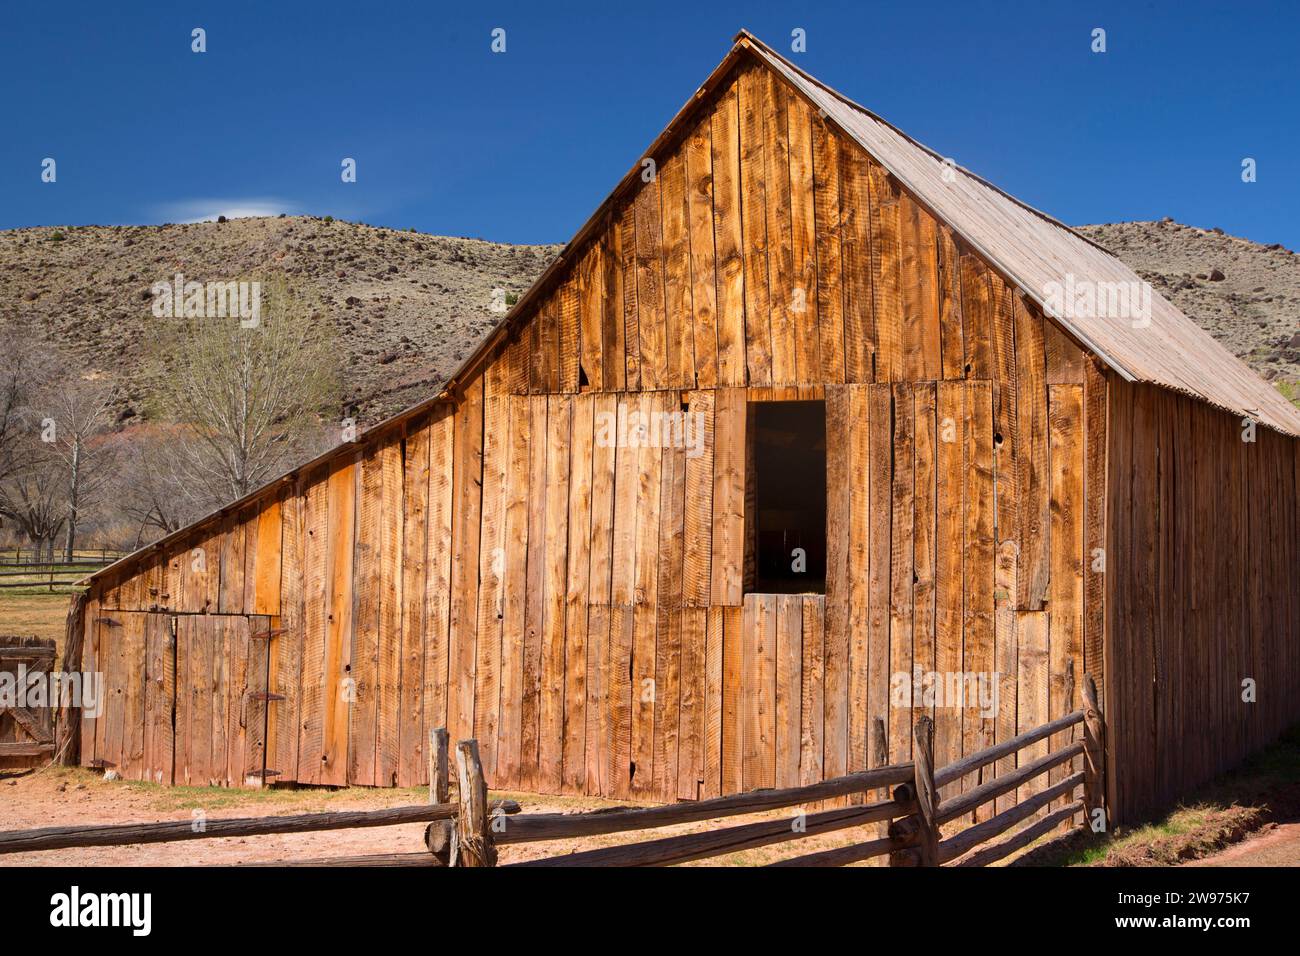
[[787, 537]]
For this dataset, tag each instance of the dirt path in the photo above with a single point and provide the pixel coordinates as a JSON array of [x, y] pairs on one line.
[[61, 796], [1277, 845]]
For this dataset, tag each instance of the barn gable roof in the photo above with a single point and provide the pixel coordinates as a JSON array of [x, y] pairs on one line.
[[1043, 256], [1028, 246]]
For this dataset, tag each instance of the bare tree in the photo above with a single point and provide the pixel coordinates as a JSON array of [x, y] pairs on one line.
[[26, 366], [149, 489], [250, 398], [33, 495], [79, 409]]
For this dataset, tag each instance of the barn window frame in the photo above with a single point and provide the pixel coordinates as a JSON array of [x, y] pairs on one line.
[[785, 446]]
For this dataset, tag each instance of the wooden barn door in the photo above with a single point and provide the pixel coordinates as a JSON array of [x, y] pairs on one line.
[[159, 698], [26, 731], [221, 697]]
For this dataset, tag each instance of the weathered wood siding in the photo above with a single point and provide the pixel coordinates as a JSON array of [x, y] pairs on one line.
[[1203, 559], [509, 569]]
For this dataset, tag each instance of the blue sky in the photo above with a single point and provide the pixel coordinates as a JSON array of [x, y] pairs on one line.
[[453, 139]]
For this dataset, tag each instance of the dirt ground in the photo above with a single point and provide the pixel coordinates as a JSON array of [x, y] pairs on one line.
[[60, 796], [1275, 845]]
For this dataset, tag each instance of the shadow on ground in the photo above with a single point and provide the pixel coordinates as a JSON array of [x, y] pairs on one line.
[[1252, 801]]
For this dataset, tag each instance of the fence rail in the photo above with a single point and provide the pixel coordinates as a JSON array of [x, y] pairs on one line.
[[60, 574], [468, 831], [88, 557]]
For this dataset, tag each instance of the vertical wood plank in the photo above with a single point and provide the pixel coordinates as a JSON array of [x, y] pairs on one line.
[[515, 595], [534, 600], [620, 701], [977, 318], [388, 674], [287, 674], [650, 287], [312, 699], [1033, 482], [491, 641], [697, 543], [412, 762], [714, 714], [979, 583], [803, 242], [1094, 621], [951, 331], [789, 684], [729, 472], [367, 635], [559, 425], [880, 427], [694, 694], [467, 478], [733, 729], [886, 279], [812, 691], [729, 247], [678, 326], [438, 564], [269, 550], [704, 292], [780, 241], [338, 628], [231, 597], [576, 653], [951, 546], [924, 546], [628, 278], [859, 304], [848, 497], [901, 560], [830, 300], [753, 201], [1031, 690], [1065, 600], [839, 739], [921, 345], [613, 349]]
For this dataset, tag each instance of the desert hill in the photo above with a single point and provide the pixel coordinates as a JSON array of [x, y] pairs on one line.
[[1244, 294], [408, 307]]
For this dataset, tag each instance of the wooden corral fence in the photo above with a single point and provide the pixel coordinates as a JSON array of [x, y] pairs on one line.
[[921, 830], [29, 569], [26, 733], [439, 808], [918, 827], [81, 557]]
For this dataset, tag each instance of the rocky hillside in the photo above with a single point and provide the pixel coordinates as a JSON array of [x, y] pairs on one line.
[[1245, 295], [407, 307]]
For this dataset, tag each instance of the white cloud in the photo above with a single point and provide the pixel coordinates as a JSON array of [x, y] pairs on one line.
[[207, 210]]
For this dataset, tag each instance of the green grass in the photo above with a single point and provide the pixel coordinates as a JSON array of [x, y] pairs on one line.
[[1216, 815]]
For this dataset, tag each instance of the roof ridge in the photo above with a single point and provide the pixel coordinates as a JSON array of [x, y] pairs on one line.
[[746, 35]]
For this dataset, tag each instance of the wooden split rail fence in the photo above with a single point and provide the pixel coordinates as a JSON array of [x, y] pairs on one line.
[[912, 817]]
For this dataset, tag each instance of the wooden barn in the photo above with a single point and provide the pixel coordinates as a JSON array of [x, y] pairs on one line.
[[808, 431]]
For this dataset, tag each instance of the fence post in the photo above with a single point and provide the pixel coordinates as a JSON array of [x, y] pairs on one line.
[[927, 800], [920, 826], [439, 791], [439, 835], [1094, 755], [473, 825]]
